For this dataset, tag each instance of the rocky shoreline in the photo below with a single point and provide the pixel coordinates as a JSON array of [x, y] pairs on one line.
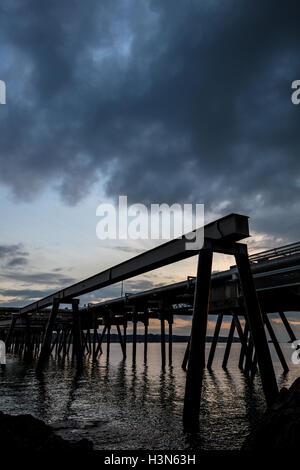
[[279, 428], [28, 434]]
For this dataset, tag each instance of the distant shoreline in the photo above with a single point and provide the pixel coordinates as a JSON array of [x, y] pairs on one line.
[[153, 338]]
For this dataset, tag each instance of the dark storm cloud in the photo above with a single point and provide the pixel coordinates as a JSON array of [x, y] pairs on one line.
[[39, 278], [126, 249], [13, 256], [164, 101], [21, 297], [26, 294], [18, 261], [7, 251]]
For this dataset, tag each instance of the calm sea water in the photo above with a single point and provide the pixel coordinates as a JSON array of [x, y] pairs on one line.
[[121, 406]]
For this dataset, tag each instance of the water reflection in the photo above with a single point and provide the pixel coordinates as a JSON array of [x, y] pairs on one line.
[[124, 405]]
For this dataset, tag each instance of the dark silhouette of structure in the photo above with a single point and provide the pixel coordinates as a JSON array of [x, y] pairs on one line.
[[257, 285]]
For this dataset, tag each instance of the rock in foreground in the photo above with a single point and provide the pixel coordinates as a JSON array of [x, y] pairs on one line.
[[280, 425], [26, 433]]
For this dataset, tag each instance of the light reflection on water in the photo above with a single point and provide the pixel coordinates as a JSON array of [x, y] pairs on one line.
[[122, 406]]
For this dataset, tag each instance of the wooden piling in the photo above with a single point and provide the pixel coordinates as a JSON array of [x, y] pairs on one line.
[[99, 348], [85, 345], [170, 321], [146, 339], [77, 333], [249, 356], [244, 346], [241, 335], [121, 341], [45, 349], [186, 355], [196, 363], [163, 342], [28, 340], [287, 326], [63, 345], [228, 344], [125, 336], [253, 369], [134, 320], [70, 341], [256, 325], [54, 341], [16, 342], [61, 341], [88, 340], [214, 341], [108, 339], [95, 334], [276, 344]]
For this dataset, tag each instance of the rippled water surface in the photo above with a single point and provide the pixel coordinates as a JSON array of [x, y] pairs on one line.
[[121, 406]]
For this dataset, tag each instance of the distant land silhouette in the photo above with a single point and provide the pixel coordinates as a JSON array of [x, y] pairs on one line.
[[153, 338]]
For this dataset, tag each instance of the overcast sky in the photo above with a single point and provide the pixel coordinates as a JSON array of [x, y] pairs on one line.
[[160, 100]]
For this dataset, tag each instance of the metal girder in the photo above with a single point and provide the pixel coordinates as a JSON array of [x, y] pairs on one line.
[[230, 228]]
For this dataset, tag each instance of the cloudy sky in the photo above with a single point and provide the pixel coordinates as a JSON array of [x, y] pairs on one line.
[[162, 101]]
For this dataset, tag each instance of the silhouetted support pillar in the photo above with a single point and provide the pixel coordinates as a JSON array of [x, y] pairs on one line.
[[88, 340], [77, 339], [17, 342], [125, 336], [239, 328], [21, 346], [70, 341], [215, 340], [99, 349], [121, 341], [186, 355], [46, 345], [163, 342], [95, 334], [228, 344], [170, 320], [84, 342], [287, 326], [196, 363], [10, 331], [244, 346], [28, 340], [276, 344], [249, 356], [134, 320], [253, 367], [146, 339], [256, 326], [66, 339], [58, 340], [54, 343], [108, 338], [36, 344], [62, 342]]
